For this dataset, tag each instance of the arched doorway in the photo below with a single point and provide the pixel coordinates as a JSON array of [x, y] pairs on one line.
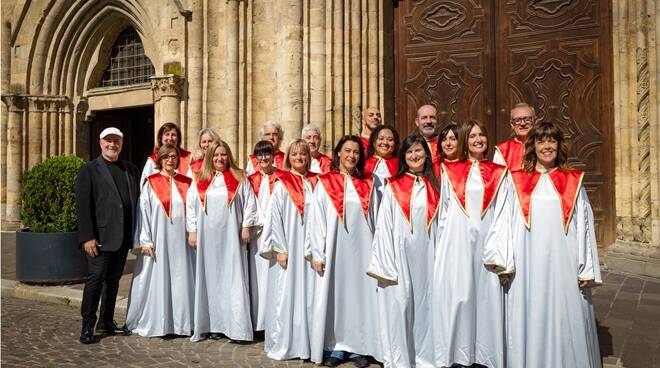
[[122, 98]]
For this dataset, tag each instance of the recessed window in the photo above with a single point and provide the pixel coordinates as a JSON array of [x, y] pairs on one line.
[[128, 63]]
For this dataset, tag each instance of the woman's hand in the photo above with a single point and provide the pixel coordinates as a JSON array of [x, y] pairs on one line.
[[282, 259], [192, 240], [505, 278], [245, 235], [319, 267], [584, 283], [149, 251]]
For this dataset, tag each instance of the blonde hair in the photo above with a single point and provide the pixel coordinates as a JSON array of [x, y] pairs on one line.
[[305, 149], [199, 154], [208, 170]]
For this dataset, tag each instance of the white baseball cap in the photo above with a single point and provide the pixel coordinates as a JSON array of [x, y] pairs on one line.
[[111, 130]]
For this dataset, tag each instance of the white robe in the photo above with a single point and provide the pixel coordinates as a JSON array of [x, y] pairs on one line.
[[403, 261], [259, 267], [467, 297], [291, 294], [550, 320], [345, 302], [382, 171], [498, 159], [163, 289], [222, 299]]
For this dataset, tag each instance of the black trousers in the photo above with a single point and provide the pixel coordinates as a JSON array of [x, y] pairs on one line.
[[104, 272]]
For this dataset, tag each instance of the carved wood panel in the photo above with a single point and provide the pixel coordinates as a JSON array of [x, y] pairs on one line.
[[443, 58], [556, 55], [477, 58]]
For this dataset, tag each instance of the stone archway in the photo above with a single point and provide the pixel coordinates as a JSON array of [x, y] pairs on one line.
[[58, 56]]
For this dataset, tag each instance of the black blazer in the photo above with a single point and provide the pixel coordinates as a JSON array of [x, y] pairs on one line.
[[99, 207]]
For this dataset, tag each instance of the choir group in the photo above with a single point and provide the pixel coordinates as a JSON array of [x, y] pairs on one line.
[[413, 252]]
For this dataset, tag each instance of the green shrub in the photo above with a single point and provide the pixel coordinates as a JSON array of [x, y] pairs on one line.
[[48, 197]]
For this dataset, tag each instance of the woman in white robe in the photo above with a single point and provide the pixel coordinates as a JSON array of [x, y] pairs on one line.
[[291, 283], [382, 159], [260, 267], [403, 258], [546, 246], [467, 297], [168, 133], [161, 296], [220, 210], [345, 322]]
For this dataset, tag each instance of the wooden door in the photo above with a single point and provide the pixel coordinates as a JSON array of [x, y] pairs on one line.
[[476, 59], [443, 57]]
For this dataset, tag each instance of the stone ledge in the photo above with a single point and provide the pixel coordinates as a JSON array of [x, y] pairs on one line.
[[636, 258], [51, 294]]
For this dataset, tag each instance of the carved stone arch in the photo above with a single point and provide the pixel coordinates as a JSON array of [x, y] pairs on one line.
[[72, 41]]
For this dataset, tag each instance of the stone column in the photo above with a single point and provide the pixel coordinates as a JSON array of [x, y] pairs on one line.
[[5, 75], [35, 130], [167, 99], [290, 68], [637, 137], [16, 106], [81, 143], [195, 73], [68, 128]]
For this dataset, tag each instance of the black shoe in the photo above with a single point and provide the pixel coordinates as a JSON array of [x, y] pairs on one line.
[[87, 336], [215, 336], [111, 328], [360, 361], [331, 362]]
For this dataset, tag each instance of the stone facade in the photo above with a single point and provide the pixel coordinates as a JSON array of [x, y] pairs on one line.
[[637, 136], [232, 64]]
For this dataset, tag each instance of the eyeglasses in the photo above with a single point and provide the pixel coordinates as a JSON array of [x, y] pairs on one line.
[[170, 158], [523, 120]]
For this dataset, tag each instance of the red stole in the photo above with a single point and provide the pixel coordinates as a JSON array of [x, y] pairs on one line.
[[325, 163], [162, 187], [184, 161], [513, 152], [567, 183], [197, 165], [230, 182], [402, 188], [371, 163], [334, 185], [364, 140], [256, 177], [278, 161], [433, 147], [295, 186], [491, 173]]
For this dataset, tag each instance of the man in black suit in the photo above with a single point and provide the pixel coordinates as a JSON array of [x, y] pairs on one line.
[[107, 190]]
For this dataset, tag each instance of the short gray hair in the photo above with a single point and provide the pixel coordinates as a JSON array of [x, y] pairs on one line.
[[524, 104], [308, 128], [277, 126]]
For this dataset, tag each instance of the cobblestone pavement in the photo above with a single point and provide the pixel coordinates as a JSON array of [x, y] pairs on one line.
[[46, 335], [38, 334]]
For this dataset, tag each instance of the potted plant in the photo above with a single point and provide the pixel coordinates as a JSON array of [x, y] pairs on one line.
[[47, 249]]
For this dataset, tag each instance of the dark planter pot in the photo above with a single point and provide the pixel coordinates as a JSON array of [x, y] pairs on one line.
[[49, 258]]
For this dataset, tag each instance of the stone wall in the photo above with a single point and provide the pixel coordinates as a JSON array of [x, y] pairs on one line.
[[229, 65], [637, 136]]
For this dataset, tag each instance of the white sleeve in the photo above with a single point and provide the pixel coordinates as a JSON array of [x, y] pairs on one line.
[[193, 204], [588, 266], [498, 244], [319, 224], [383, 259], [250, 211], [145, 238], [275, 240], [148, 170]]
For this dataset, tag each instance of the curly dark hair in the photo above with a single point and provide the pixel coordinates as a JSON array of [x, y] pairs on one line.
[[371, 150], [539, 133], [359, 167]]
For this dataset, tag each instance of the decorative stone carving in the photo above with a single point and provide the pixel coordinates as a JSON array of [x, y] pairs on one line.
[[166, 86]]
